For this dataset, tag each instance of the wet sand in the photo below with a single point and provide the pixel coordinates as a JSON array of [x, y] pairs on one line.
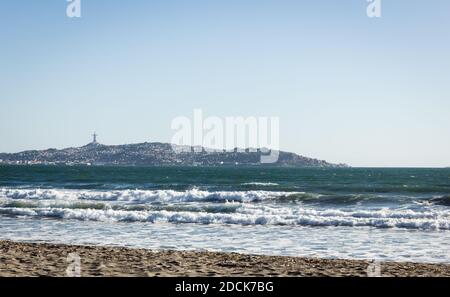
[[30, 259]]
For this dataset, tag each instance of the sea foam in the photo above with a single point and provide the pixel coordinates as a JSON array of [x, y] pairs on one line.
[[216, 207], [248, 215], [143, 196]]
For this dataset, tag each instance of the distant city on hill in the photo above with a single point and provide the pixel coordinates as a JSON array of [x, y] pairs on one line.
[[154, 154]]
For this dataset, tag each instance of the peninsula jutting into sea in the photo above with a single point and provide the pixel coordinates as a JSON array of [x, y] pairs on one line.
[[153, 154]]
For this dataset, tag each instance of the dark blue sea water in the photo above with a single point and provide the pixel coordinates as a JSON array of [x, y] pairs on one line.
[[396, 214]]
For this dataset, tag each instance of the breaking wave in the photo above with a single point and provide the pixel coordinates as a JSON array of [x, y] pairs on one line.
[[197, 195], [250, 215], [143, 196], [260, 184], [228, 207], [444, 200]]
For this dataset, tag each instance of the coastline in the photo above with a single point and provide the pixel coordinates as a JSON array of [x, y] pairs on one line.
[[41, 259]]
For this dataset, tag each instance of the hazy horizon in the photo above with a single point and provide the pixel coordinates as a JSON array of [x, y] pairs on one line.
[[348, 89]]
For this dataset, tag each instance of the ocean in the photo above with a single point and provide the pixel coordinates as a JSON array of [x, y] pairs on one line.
[[349, 213]]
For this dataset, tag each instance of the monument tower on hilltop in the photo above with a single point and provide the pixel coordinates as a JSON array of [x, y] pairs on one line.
[[94, 138]]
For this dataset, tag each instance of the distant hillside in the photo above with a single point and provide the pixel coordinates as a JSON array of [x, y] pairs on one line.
[[153, 154]]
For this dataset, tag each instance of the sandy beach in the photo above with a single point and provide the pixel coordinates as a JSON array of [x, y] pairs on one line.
[[30, 259]]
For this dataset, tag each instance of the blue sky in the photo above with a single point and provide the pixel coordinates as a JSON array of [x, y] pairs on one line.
[[347, 88]]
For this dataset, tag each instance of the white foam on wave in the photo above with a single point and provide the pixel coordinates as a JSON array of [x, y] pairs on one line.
[[255, 215], [198, 206], [142, 196], [260, 184]]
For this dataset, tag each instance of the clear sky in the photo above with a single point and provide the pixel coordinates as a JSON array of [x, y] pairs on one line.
[[347, 88]]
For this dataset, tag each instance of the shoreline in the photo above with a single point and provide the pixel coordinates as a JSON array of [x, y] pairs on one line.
[[42, 259]]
